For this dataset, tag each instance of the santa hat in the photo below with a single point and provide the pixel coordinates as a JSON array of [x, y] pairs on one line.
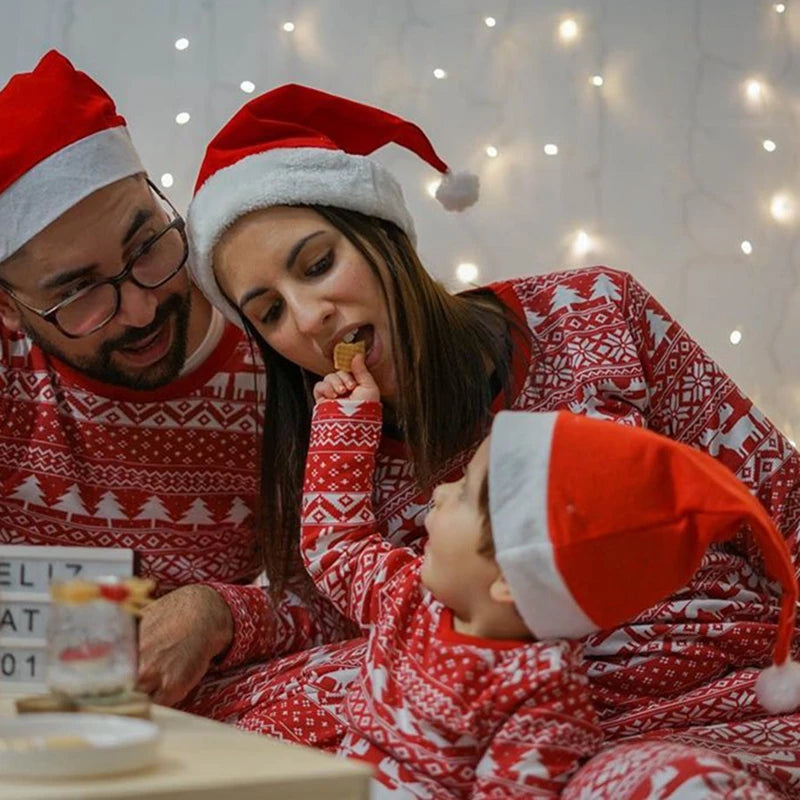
[[299, 146], [62, 139], [595, 522]]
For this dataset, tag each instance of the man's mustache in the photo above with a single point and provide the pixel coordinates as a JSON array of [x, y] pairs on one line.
[[133, 336]]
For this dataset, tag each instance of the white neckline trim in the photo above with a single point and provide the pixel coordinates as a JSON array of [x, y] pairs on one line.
[[210, 341]]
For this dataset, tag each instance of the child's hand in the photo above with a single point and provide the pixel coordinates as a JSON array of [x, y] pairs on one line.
[[355, 385]]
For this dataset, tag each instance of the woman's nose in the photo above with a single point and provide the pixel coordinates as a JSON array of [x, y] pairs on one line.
[[312, 315]]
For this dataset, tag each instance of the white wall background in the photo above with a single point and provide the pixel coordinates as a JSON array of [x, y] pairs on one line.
[[663, 166]]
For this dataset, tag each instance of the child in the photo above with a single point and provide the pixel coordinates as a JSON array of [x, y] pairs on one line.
[[472, 682]]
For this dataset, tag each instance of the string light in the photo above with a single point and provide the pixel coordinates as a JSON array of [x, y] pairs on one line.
[[597, 80], [490, 22], [747, 247], [439, 73], [167, 180], [736, 336], [769, 145], [288, 26], [467, 272], [182, 117], [780, 7], [248, 87], [181, 44], [492, 151], [432, 187], [568, 30], [582, 243], [755, 91], [782, 207], [551, 149]]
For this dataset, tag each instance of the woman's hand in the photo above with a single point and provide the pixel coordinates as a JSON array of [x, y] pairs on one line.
[[355, 385]]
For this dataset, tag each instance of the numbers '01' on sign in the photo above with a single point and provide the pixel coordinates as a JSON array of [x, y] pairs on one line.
[[22, 666], [25, 577]]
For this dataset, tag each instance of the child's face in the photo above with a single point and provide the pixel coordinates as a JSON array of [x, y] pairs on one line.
[[453, 569]]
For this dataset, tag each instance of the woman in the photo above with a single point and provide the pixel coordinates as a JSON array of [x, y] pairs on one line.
[[304, 241]]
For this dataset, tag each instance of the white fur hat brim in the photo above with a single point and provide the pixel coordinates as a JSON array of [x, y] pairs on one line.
[[60, 181], [286, 177], [519, 467]]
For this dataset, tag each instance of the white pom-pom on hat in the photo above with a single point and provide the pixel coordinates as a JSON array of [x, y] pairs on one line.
[[458, 190], [778, 687]]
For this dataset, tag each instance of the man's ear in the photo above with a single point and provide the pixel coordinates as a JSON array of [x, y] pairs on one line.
[[500, 591], [9, 312]]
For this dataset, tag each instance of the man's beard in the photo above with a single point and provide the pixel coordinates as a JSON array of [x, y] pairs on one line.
[[101, 367]]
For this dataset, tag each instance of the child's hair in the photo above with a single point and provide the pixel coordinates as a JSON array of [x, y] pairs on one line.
[[486, 541]]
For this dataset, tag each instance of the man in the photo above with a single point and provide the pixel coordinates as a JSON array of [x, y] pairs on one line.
[[128, 408]]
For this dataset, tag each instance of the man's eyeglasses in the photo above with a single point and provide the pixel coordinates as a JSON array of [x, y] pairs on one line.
[[89, 308]]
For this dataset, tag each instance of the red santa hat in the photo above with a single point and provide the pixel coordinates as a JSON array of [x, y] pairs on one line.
[[299, 146], [62, 140], [595, 522]]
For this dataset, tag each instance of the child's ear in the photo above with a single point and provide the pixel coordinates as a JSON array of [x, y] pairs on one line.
[[500, 591]]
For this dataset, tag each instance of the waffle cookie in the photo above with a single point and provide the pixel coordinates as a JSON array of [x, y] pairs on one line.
[[344, 353]]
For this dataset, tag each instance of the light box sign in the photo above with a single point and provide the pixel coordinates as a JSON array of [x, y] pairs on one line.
[[26, 573]]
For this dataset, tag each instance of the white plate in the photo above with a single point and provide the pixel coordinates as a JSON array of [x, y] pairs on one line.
[[114, 744]]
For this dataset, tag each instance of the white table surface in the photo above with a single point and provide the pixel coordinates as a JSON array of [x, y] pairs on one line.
[[206, 760]]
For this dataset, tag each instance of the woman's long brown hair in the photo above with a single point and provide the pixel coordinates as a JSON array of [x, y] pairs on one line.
[[444, 348]]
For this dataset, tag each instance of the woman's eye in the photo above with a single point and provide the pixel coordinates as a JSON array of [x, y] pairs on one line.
[[318, 267], [272, 313]]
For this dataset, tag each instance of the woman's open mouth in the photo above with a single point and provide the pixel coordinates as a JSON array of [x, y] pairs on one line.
[[366, 334]]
